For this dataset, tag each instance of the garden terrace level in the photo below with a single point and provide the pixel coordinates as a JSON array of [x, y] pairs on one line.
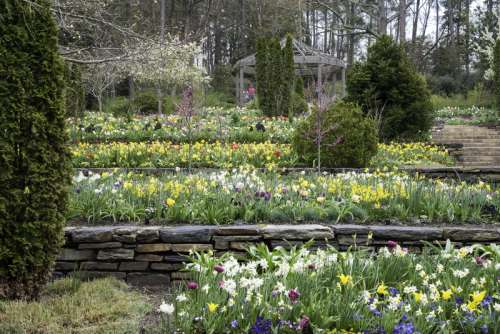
[[485, 174], [155, 255]]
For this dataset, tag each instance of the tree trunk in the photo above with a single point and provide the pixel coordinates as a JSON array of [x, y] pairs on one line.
[[437, 21], [382, 18], [402, 21], [415, 22], [162, 43]]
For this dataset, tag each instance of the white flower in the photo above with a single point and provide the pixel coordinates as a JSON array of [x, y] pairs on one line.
[[418, 267], [166, 308], [181, 298], [496, 306]]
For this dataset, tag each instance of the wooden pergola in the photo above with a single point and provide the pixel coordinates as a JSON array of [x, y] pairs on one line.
[[309, 62]]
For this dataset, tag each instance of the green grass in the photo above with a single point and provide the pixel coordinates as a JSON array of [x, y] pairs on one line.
[[71, 306], [476, 97]]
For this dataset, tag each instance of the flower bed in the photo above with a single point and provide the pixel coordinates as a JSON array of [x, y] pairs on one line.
[[467, 115], [244, 195], [326, 291], [230, 125], [218, 155]]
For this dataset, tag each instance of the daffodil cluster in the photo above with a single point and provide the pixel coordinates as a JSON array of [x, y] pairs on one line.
[[448, 290], [228, 155]]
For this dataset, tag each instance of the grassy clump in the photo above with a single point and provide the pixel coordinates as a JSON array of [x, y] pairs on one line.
[[71, 306]]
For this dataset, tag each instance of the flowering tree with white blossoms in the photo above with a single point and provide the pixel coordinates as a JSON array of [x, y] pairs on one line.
[[166, 63]]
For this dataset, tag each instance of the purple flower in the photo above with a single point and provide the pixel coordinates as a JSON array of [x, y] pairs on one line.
[[293, 294], [459, 300], [391, 244], [404, 328], [234, 324], [304, 322], [192, 285], [487, 301], [393, 291], [219, 268], [484, 329], [261, 326]]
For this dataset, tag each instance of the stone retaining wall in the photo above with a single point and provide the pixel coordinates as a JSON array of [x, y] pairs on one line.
[[155, 255]]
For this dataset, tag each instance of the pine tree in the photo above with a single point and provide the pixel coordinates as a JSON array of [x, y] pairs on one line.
[[275, 76], [496, 70], [34, 159], [388, 87], [288, 76], [262, 75]]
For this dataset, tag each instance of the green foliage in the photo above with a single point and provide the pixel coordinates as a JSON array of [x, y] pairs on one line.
[[275, 76], [496, 78], [262, 76], [287, 78], [145, 102], [478, 96], [222, 80], [34, 159], [218, 99], [75, 91], [342, 121], [388, 87], [118, 107], [299, 86], [298, 105]]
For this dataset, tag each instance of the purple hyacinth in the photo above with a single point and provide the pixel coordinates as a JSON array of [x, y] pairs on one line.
[[404, 328], [234, 324], [192, 285], [293, 294], [261, 326]]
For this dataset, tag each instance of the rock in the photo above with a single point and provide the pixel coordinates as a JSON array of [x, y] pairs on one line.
[[116, 254], [239, 230], [237, 238], [153, 248], [148, 279], [187, 234], [388, 232], [98, 266], [65, 266], [471, 234], [148, 235], [101, 245], [92, 234], [221, 244], [240, 245], [133, 266], [297, 232], [176, 258], [125, 234], [285, 244], [167, 266], [185, 248], [149, 257], [68, 254], [89, 275]]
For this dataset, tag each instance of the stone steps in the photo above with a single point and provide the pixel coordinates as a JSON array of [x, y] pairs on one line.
[[480, 147]]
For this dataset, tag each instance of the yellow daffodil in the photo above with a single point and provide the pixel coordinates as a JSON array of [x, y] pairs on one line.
[[212, 307], [170, 202], [446, 294], [345, 279], [382, 289]]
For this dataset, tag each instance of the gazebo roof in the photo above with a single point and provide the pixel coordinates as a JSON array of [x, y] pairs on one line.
[[303, 55]]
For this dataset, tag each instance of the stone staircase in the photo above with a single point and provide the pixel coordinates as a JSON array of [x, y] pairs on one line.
[[473, 146]]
